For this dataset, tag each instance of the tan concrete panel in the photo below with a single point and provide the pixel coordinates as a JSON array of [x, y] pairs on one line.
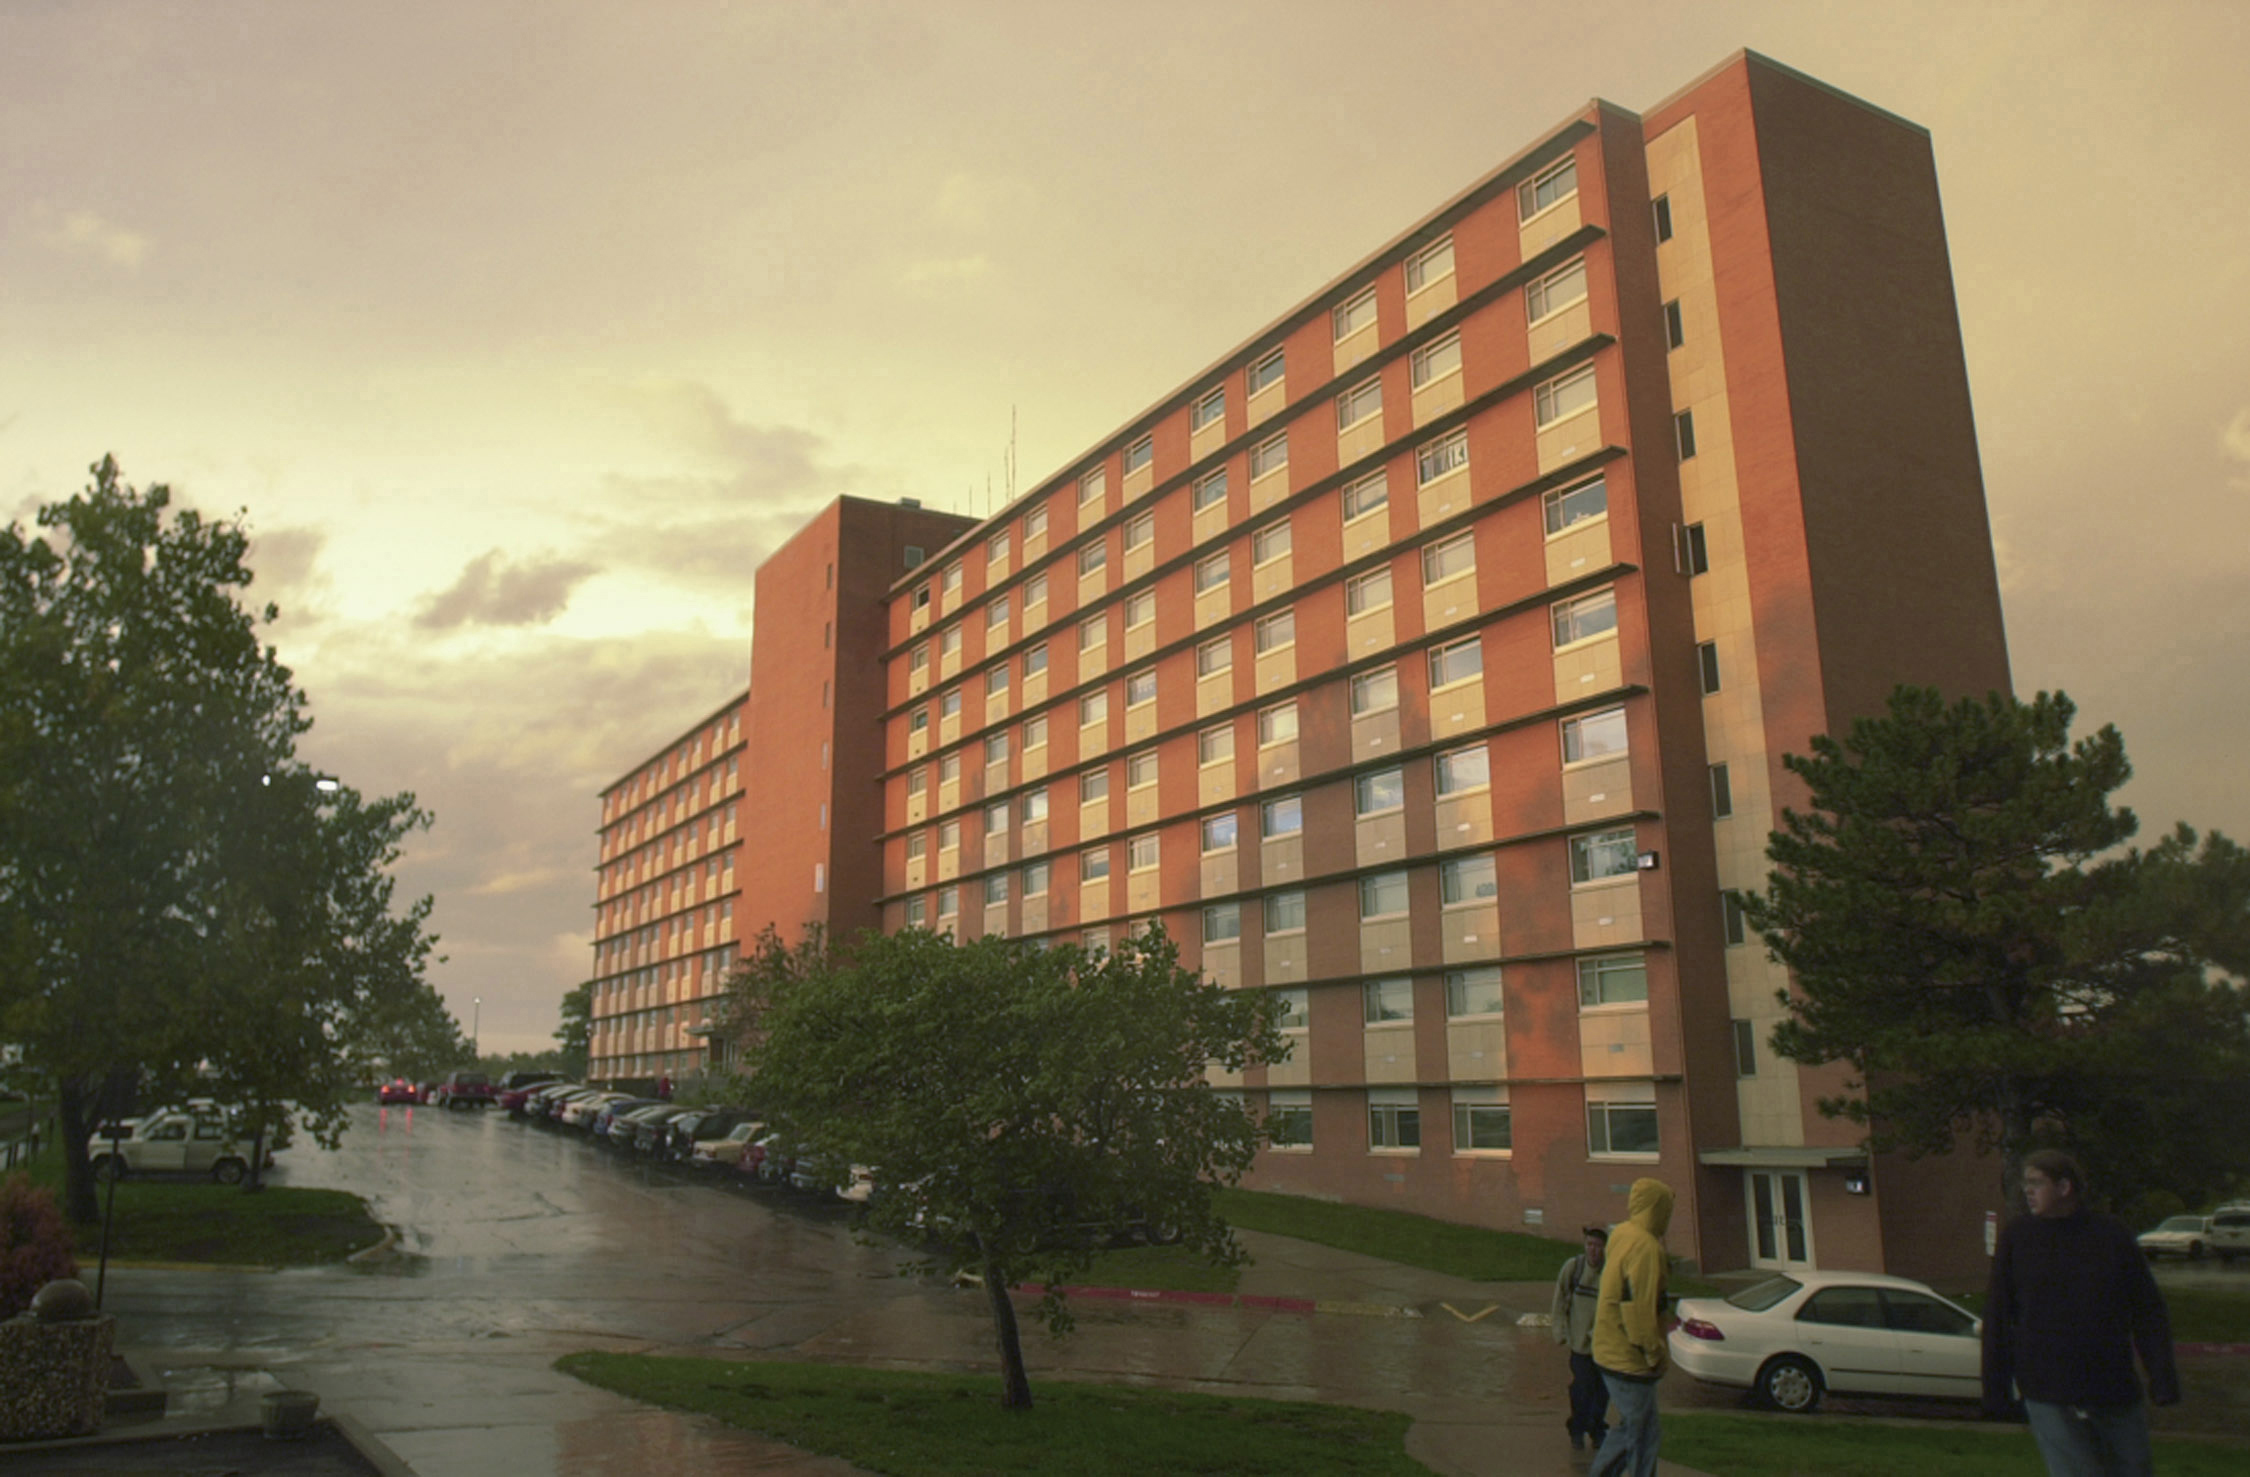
[[1450, 600], [1458, 707], [1560, 330], [1272, 578], [1279, 764], [1276, 669], [1281, 861], [1588, 667], [1375, 735], [1578, 550], [1615, 1043], [1093, 819], [1441, 498], [1437, 397], [1268, 402], [1367, 533], [1272, 488], [1386, 947], [1093, 898], [1139, 481], [1463, 819], [1140, 640], [1285, 959], [1549, 226], [1476, 1050], [1219, 873], [1140, 722], [1202, 443], [1296, 1071], [1362, 438], [1390, 1053], [1593, 791], [1213, 782], [1139, 561], [1570, 438], [1434, 298], [1606, 914], [1379, 838], [1214, 607], [1469, 932], [1222, 963]]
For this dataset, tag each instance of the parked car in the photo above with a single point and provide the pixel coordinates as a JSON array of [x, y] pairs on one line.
[[546, 1103], [1791, 1339], [766, 1160], [703, 1125], [397, 1090], [725, 1152], [2230, 1232], [510, 1091], [177, 1141], [603, 1120], [2186, 1236], [463, 1090], [579, 1111], [646, 1130]]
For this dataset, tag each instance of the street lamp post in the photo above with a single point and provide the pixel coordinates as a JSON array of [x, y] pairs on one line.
[[476, 1027]]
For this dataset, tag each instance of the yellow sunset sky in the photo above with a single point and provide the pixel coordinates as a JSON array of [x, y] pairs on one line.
[[522, 331]]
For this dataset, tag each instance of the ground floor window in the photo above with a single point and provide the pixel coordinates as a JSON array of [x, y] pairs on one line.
[[1620, 1118], [1480, 1120], [1394, 1118], [1289, 1118]]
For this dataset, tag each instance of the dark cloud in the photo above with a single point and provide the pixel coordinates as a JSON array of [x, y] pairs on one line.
[[490, 593]]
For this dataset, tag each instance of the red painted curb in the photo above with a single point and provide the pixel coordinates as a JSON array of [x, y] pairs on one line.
[[2212, 1348]]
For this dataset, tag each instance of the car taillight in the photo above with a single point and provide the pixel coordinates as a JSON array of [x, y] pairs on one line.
[[1696, 1328]]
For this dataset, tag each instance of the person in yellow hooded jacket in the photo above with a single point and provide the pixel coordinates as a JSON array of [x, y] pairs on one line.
[[1629, 1332]]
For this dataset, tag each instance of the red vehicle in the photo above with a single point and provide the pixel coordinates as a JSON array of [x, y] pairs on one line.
[[398, 1090], [463, 1090]]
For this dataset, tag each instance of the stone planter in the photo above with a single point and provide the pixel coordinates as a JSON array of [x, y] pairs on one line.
[[54, 1377]]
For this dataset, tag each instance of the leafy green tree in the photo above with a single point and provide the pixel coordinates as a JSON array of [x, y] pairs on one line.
[[1967, 930], [1019, 1105], [576, 1033], [177, 895]]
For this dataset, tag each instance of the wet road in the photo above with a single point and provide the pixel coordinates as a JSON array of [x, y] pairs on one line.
[[519, 1244]]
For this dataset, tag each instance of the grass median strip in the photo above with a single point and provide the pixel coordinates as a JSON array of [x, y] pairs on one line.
[[1776, 1446], [184, 1220], [1417, 1241], [912, 1424]]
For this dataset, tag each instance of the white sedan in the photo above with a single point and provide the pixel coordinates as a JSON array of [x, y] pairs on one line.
[[1791, 1338]]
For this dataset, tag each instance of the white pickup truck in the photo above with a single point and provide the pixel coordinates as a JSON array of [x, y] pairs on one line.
[[176, 1141]]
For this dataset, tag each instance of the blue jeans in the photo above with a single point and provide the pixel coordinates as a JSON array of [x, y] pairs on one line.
[[1630, 1447], [2091, 1440], [1589, 1398]]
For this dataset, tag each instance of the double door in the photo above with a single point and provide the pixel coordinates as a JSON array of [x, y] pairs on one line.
[[1780, 1219]]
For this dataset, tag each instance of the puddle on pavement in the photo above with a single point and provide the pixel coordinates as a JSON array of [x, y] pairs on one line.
[[203, 1390]]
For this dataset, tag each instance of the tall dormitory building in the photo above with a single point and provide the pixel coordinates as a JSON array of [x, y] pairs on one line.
[[1429, 658]]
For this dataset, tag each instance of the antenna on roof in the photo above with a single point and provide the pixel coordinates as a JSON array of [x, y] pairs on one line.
[[1011, 453]]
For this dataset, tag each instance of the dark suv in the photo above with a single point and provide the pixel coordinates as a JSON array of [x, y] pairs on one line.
[[463, 1090]]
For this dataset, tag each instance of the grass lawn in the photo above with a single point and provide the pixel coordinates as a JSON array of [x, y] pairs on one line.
[[1416, 1241], [1769, 1446], [1158, 1269], [183, 1220], [912, 1424], [2200, 1315]]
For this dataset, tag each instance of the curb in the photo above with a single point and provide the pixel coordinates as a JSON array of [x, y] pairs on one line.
[[1260, 1301], [369, 1253]]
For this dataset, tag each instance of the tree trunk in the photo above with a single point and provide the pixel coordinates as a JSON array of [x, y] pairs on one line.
[[2015, 1142], [1015, 1393], [254, 1181], [78, 1110]]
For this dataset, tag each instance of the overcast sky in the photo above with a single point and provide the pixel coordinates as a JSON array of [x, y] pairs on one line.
[[523, 331]]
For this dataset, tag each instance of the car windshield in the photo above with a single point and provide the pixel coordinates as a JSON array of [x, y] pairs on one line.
[[2183, 1223], [1760, 1296]]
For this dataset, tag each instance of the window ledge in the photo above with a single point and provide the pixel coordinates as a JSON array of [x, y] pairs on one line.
[[1586, 641]]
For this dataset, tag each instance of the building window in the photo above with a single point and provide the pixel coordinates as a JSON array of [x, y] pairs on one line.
[[1093, 708], [1563, 396], [1093, 866], [1382, 895], [948, 903], [1215, 745], [1585, 618], [1707, 661], [1270, 543], [1036, 876], [1384, 1001], [1394, 1121], [1034, 807], [949, 835], [1214, 656], [1456, 663], [1035, 660], [1366, 592], [1366, 495], [1277, 725], [1285, 912], [949, 769], [917, 845], [1092, 485], [1222, 923], [1467, 879], [1269, 455], [1683, 432], [1435, 459], [1455, 556], [1140, 609], [1695, 551], [1140, 687], [1600, 855], [1349, 318], [1276, 631], [1035, 732], [1093, 556], [921, 597], [1142, 853], [1463, 770], [1093, 785], [1208, 490], [1219, 832], [1035, 521], [1375, 691], [949, 641], [1360, 402], [1473, 992], [996, 547], [1435, 360], [1574, 505], [1433, 263], [996, 818], [1622, 1127], [1731, 917], [1615, 979], [1661, 207], [1745, 1049], [1675, 331], [917, 912], [1093, 631], [1378, 791], [996, 680], [917, 781], [1289, 1117], [1212, 573], [918, 660], [949, 705], [996, 748], [1139, 454], [1035, 591], [1208, 411], [1140, 530], [1593, 736], [1268, 371], [1284, 815], [1548, 188], [1722, 793], [1559, 289], [996, 888], [950, 580], [1480, 1121]]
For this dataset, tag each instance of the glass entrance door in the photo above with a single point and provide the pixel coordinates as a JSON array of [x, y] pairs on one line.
[[1780, 1224]]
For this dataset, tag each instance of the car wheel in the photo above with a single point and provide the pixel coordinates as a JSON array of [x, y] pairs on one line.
[[109, 1167], [229, 1171], [1790, 1383], [1162, 1233], [2195, 1251]]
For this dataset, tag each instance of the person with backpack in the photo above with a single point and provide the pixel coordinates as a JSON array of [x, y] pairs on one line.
[[1578, 1288]]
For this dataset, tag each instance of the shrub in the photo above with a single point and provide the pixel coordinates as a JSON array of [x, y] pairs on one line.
[[34, 1243]]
